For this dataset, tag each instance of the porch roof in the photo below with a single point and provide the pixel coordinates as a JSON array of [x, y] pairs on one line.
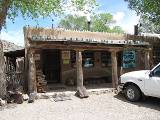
[[92, 41], [15, 53], [44, 35]]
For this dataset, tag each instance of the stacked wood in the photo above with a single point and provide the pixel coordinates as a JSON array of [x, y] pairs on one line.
[[41, 82]]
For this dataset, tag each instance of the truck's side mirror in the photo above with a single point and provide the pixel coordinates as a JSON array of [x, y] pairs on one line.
[[150, 74]]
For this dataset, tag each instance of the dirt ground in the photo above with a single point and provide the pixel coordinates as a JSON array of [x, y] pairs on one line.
[[97, 107]]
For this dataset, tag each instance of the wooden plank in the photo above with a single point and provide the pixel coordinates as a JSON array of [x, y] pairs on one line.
[[32, 73], [114, 69], [26, 61], [81, 90], [61, 45], [79, 69], [3, 84], [147, 59]]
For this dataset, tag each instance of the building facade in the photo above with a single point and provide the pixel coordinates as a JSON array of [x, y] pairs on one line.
[[80, 58]]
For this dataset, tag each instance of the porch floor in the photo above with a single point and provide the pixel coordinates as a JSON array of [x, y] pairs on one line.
[[61, 87], [70, 90]]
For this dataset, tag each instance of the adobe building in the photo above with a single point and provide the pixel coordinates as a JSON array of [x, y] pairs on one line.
[[80, 58]]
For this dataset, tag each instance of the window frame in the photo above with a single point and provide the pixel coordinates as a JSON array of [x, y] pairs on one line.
[[108, 61]]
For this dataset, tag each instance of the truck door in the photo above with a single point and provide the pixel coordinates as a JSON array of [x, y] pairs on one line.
[[154, 82]]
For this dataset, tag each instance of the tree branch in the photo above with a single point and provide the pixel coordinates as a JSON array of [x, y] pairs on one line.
[[3, 13]]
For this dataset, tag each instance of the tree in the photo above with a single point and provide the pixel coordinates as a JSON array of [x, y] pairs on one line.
[[32, 8], [37, 8], [147, 26], [150, 8], [74, 23], [117, 29], [100, 22]]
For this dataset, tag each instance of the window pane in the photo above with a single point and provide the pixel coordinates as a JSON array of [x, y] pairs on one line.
[[105, 59], [157, 72], [88, 59]]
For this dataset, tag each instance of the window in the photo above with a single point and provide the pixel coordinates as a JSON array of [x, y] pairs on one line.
[[105, 59], [88, 59], [119, 59], [156, 53], [73, 58], [156, 72]]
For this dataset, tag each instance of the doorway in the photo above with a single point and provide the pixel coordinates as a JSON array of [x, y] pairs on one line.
[[51, 65]]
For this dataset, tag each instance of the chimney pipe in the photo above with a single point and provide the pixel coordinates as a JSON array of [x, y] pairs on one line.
[[136, 29]]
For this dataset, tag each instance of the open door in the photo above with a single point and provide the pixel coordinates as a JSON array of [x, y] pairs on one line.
[[51, 65]]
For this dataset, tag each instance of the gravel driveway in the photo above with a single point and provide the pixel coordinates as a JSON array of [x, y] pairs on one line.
[[96, 107]]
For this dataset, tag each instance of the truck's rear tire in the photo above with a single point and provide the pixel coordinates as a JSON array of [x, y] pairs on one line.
[[132, 93]]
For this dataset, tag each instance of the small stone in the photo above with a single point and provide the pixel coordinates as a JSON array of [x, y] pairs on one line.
[[2, 102], [18, 98], [82, 92], [32, 97], [51, 99], [25, 97], [45, 96]]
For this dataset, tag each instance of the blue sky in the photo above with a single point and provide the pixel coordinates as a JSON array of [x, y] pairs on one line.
[[118, 8]]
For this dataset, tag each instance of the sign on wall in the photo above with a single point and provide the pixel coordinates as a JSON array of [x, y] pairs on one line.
[[129, 59], [65, 54], [37, 56], [66, 57]]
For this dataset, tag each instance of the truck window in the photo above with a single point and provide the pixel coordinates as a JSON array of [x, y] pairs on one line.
[[156, 72]]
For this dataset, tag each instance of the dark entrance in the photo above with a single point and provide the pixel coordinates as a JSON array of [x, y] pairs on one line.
[[51, 65]]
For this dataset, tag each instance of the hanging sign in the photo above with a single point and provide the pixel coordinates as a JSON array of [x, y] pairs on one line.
[[129, 59], [37, 56], [66, 55], [65, 62]]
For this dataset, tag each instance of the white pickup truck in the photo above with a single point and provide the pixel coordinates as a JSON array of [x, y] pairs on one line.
[[140, 83]]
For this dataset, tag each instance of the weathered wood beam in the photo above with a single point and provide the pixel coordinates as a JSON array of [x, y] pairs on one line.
[[3, 82], [81, 90], [3, 13], [32, 86], [32, 73], [147, 59], [59, 45], [114, 69], [79, 69]]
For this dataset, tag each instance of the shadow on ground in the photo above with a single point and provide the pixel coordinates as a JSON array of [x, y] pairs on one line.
[[63, 88], [149, 102]]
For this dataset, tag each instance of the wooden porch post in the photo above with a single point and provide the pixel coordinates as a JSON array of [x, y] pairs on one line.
[[32, 73], [81, 90], [3, 81], [147, 59], [114, 69], [79, 69]]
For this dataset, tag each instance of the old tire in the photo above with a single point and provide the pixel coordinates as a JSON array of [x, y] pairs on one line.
[[132, 93]]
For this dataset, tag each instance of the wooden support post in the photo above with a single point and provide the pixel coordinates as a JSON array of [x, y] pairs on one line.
[[79, 69], [3, 81], [114, 69], [32, 73], [32, 77], [81, 90], [139, 60], [147, 60]]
